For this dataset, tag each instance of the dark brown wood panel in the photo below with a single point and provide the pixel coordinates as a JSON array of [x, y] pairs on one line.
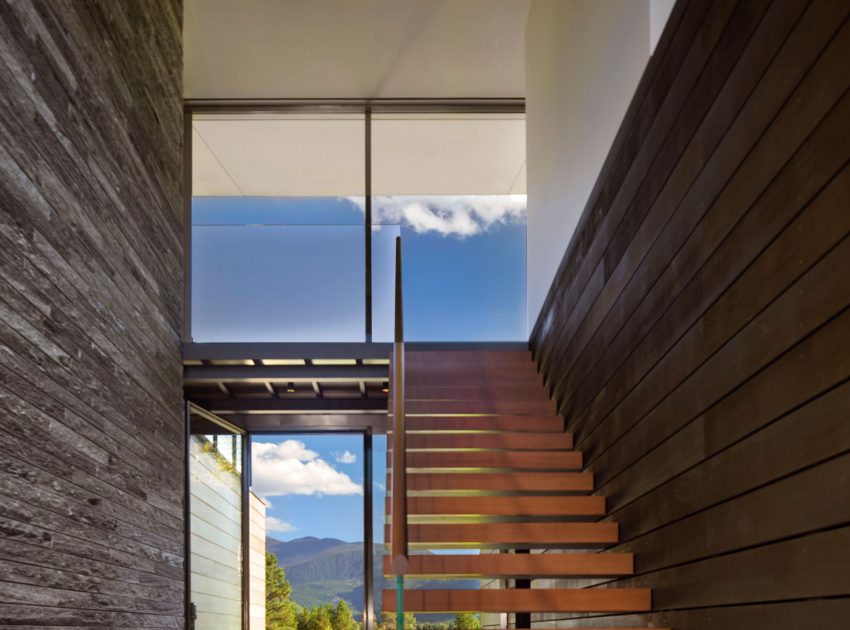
[[697, 334], [91, 309]]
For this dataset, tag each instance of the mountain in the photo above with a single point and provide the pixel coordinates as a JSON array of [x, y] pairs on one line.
[[327, 569], [308, 559]]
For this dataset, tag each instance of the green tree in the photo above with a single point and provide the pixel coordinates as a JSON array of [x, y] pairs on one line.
[[318, 618], [341, 617], [280, 611], [388, 621], [466, 621]]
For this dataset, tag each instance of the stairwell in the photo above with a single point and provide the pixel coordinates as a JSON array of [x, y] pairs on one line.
[[490, 467]]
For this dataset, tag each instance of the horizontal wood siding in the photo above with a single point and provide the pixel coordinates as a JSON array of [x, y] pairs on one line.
[[91, 229], [697, 334]]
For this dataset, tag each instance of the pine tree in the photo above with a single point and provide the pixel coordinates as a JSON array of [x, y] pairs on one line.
[[341, 617], [280, 611]]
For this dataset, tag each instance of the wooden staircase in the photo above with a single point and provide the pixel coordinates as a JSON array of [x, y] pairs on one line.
[[490, 467]]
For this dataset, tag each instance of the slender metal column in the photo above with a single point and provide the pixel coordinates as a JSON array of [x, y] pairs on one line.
[[522, 619], [368, 557], [187, 224], [246, 533], [368, 221]]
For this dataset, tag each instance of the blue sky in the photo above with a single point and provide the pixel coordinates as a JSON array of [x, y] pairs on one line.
[[291, 269], [315, 484]]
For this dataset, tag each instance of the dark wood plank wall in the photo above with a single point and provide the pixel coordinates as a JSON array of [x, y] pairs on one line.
[[91, 438], [697, 334]]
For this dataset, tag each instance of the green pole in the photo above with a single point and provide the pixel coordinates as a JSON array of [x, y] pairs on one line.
[[399, 602]]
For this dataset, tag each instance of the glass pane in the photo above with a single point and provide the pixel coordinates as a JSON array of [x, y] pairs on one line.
[[448, 154], [455, 183], [216, 530], [383, 281], [278, 227], [464, 261], [313, 489], [278, 155], [278, 283]]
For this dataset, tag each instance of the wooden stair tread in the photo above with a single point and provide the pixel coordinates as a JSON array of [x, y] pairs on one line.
[[499, 482], [480, 392], [490, 466], [523, 600], [499, 423], [482, 365], [528, 535], [515, 506], [536, 460], [467, 378], [503, 441], [439, 356], [516, 566], [455, 407]]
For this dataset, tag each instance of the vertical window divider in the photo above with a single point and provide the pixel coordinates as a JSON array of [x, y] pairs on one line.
[[368, 534], [368, 218]]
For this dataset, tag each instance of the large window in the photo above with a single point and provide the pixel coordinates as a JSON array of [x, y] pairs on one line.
[[282, 248]]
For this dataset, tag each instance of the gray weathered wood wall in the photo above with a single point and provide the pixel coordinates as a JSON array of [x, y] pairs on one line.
[[91, 438], [697, 335]]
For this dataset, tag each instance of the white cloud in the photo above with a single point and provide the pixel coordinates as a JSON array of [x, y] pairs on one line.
[[289, 467], [459, 216], [346, 457], [277, 526]]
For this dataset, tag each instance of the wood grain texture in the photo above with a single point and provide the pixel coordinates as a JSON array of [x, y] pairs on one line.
[[516, 506], [461, 461], [91, 231], [539, 535], [531, 600], [510, 565], [696, 333], [497, 441], [498, 482]]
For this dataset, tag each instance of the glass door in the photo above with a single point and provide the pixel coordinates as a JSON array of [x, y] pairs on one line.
[[215, 522]]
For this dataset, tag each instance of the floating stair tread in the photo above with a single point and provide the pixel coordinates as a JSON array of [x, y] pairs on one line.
[[516, 566], [487, 356], [480, 365], [477, 392], [532, 535], [455, 407], [504, 441], [499, 482], [523, 600], [500, 423], [469, 378], [515, 506], [537, 460]]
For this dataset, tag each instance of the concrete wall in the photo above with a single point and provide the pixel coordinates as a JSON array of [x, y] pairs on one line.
[[91, 437], [583, 62]]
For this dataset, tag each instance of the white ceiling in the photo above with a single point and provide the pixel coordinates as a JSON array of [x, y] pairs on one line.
[[237, 49]]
